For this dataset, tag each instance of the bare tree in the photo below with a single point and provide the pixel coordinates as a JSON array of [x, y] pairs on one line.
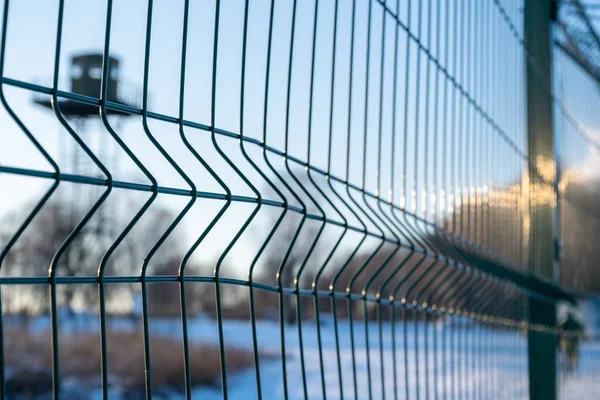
[[33, 252], [294, 248]]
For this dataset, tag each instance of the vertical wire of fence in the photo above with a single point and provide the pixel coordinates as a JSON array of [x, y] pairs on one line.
[[312, 200]]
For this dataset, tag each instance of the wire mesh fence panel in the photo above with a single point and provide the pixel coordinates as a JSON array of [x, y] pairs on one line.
[[284, 199]]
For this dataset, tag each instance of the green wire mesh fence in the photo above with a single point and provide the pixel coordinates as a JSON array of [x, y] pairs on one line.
[[323, 199]]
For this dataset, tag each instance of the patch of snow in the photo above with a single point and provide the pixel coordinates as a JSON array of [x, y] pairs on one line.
[[447, 359]]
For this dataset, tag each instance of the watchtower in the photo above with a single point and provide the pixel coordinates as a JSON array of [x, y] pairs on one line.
[[85, 77], [85, 74]]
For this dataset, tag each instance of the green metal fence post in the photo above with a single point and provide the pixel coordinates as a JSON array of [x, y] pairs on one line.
[[538, 43]]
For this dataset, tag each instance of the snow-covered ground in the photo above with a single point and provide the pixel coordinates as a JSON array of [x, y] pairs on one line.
[[472, 363], [584, 382]]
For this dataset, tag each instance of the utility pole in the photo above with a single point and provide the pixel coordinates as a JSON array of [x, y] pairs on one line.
[[538, 18]]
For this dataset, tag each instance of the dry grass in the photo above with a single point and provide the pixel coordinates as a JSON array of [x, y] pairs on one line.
[[80, 357]]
